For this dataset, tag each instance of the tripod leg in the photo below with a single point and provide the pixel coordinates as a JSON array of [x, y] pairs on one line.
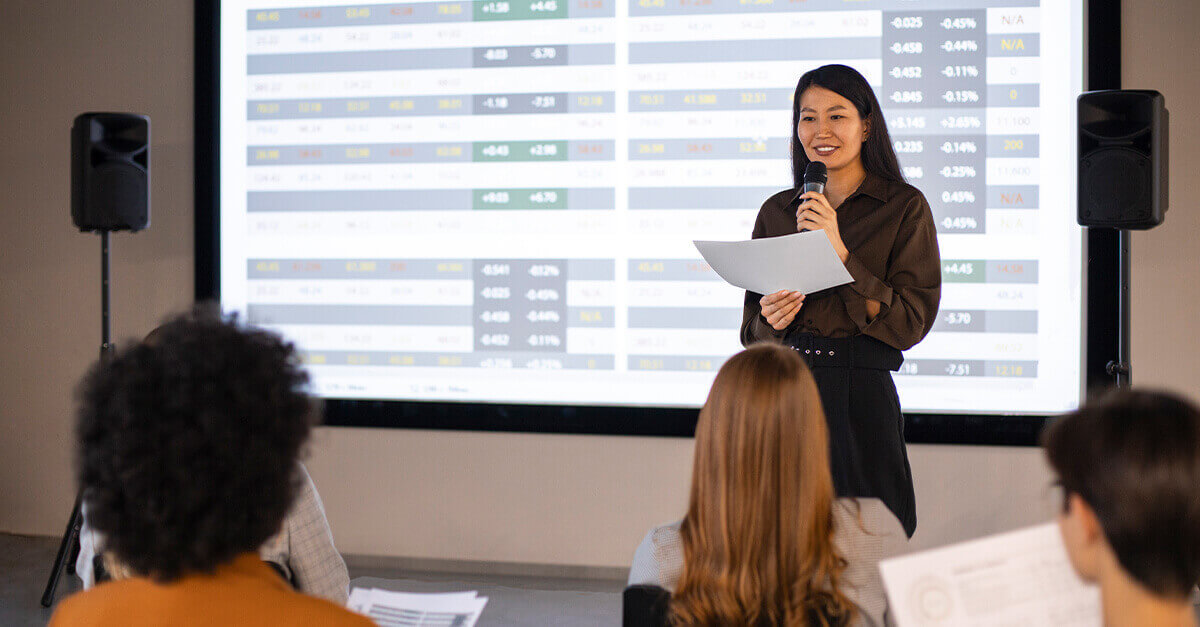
[[64, 549]]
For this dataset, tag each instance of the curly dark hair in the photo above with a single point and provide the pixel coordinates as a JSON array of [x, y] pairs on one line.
[[188, 443]]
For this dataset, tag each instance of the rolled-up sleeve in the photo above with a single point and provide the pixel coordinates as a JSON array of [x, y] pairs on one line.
[[910, 292]]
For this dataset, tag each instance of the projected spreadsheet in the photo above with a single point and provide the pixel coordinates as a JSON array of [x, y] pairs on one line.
[[514, 186]]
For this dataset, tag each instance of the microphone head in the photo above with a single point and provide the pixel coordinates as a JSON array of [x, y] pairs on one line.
[[816, 172]]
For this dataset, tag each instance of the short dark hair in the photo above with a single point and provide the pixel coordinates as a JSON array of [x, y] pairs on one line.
[[878, 156], [188, 443], [1134, 457]]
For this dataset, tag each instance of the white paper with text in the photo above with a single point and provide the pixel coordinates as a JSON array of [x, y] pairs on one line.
[[1021, 577]]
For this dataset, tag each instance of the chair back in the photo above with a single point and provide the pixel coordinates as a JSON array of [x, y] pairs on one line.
[[645, 606]]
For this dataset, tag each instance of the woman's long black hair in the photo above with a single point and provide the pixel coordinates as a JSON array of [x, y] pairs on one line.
[[878, 157]]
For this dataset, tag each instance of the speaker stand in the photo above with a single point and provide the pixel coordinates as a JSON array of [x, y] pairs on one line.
[[1121, 368], [68, 549]]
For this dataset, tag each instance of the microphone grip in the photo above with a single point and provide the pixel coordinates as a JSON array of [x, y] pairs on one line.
[[817, 187]]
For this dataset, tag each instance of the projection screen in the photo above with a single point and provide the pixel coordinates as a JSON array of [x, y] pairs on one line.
[[492, 202]]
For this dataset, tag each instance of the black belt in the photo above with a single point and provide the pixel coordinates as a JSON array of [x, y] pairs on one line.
[[858, 351]]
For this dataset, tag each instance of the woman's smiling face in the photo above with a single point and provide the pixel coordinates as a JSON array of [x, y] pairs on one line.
[[830, 128]]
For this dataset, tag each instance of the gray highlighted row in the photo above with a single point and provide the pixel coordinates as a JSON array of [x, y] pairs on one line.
[[710, 100], [699, 197], [923, 122], [685, 317], [708, 148], [329, 154], [374, 15], [678, 363], [981, 321], [433, 152], [431, 59], [969, 368], [499, 360], [412, 106], [580, 198], [958, 149], [394, 315], [426, 13], [754, 50], [671, 270], [642, 8], [406, 269], [389, 269]]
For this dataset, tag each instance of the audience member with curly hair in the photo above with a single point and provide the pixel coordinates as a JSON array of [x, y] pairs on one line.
[[188, 451], [302, 550]]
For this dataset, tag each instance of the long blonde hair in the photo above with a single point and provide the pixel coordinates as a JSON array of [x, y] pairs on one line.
[[758, 534]]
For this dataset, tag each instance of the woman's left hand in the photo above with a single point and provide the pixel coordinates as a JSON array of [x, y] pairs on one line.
[[815, 214]]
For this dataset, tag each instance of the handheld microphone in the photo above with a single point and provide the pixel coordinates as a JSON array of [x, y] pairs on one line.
[[815, 177]]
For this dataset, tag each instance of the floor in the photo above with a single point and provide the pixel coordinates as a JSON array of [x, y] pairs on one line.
[[25, 563]]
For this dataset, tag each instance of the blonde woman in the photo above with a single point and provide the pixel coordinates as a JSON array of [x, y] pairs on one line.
[[764, 542]]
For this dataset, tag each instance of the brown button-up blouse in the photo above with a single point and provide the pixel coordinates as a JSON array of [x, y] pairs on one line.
[[889, 230]]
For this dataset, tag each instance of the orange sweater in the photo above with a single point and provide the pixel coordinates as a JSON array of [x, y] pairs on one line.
[[242, 592]]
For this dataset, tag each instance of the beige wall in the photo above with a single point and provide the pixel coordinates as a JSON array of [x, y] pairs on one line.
[[475, 496]]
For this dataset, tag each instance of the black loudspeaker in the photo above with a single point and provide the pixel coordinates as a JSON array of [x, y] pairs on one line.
[[1122, 159], [110, 172]]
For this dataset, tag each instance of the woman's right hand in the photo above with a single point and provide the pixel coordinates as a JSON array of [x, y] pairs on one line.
[[781, 308]]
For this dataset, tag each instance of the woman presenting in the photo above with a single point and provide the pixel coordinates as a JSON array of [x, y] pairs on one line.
[[851, 335]]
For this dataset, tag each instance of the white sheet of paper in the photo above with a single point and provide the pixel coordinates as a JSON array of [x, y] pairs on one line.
[[802, 262], [388, 608], [1021, 577]]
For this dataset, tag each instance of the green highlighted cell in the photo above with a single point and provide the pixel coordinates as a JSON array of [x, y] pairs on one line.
[[518, 199], [496, 10], [520, 151], [963, 271]]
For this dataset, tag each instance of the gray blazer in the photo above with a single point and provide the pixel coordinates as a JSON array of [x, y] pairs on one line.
[[865, 535], [303, 548]]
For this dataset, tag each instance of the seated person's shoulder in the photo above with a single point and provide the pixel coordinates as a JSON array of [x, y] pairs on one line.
[[659, 558], [665, 535], [140, 601], [863, 521], [96, 606]]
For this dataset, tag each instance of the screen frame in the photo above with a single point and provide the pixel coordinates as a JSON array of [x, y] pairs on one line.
[[1103, 66]]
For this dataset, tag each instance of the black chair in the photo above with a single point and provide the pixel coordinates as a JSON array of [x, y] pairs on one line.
[[645, 606]]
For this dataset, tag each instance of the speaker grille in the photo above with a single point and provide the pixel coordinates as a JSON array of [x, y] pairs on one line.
[[120, 196], [1116, 182]]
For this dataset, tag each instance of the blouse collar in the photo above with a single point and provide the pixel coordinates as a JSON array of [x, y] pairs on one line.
[[873, 186]]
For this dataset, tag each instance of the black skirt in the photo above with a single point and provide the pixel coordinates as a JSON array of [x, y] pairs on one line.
[[867, 456]]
